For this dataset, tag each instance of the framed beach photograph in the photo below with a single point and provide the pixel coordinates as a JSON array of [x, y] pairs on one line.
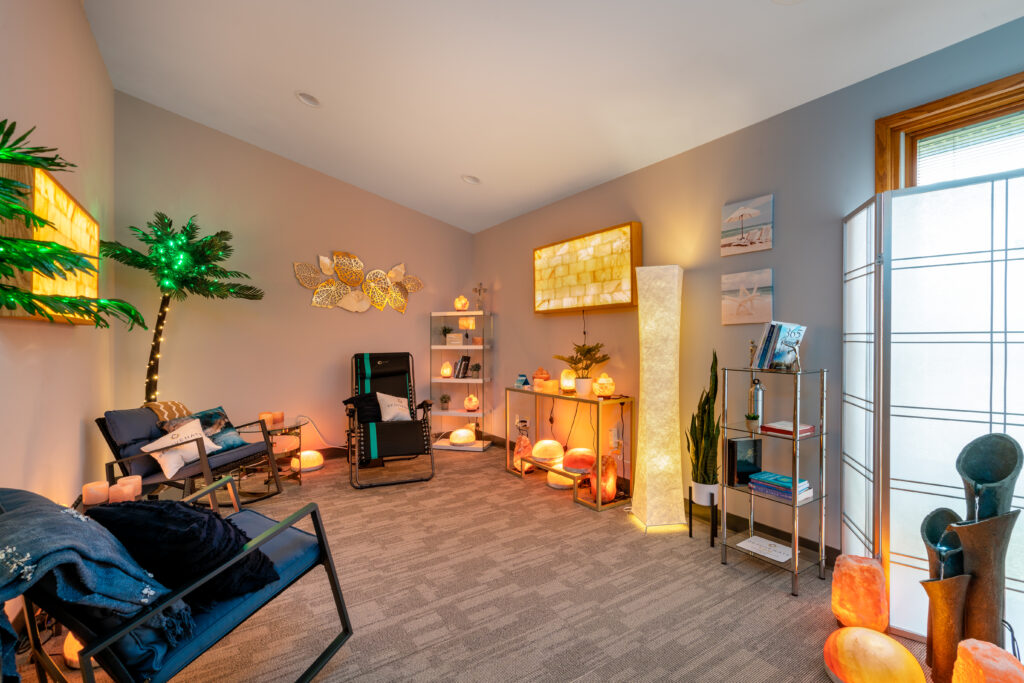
[[747, 297], [747, 225]]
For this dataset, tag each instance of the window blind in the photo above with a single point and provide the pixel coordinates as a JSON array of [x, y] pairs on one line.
[[993, 146]]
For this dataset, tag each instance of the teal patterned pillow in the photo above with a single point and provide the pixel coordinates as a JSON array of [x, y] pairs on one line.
[[216, 425]]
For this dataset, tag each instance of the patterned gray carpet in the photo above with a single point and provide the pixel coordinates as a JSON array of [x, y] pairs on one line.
[[478, 576]]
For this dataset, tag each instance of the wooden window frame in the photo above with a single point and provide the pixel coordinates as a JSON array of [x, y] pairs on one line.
[[896, 136]]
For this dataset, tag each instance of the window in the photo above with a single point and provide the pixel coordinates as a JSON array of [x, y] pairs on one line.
[[975, 132]]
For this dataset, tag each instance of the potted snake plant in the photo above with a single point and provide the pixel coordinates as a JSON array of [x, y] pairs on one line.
[[702, 441]]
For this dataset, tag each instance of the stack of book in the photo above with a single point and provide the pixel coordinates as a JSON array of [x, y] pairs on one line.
[[780, 486], [461, 368], [777, 349]]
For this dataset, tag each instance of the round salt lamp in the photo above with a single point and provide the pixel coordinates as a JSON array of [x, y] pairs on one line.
[[523, 449], [604, 385], [579, 460], [558, 481], [461, 303], [978, 661], [446, 369], [471, 403], [548, 451], [462, 437], [860, 655], [858, 593], [307, 461], [568, 381], [607, 481], [540, 373]]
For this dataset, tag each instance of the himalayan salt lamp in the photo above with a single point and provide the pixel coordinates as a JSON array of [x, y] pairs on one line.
[[95, 493], [471, 403], [604, 385], [860, 655], [478, 341], [540, 373], [548, 451], [135, 482], [446, 369], [858, 593], [607, 480], [568, 381], [461, 303], [546, 386], [523, 449], [467, 323], [579, 460], [978, 661], [71, 650], [307, 461], [556, 480], [462, 437]]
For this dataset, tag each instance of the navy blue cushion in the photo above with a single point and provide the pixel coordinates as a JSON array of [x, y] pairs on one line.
[[217, 460], [131, 430], [293, 552]]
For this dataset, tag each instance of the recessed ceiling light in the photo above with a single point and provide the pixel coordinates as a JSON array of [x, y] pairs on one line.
[[471, 179], [307, 99]]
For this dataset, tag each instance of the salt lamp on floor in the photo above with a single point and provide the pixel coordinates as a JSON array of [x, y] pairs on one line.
[[548, 451], [978, 661], [558, 481], [858, 593], [523, 449], [606, 483], [579, 460], [462, 437], [860, 655]]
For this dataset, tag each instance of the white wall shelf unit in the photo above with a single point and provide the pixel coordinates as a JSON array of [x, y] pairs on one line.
[[480, 326]]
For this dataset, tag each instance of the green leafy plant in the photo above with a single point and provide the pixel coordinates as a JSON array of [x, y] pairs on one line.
[[181, 263], [475, 367], [751, 416], [445, 399], [584, 358], [445, 331], [48, 259], [705, 428]]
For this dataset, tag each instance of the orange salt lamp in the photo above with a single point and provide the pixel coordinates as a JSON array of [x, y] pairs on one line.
[[461, 437], [557, 480], [860, 655], [540, 373], [568, 381], [858, 593], [606, 484], [467, 323], [471, 403], [604, 385], [579, 460], [548, 451], [523, 449], [978, 661], [307, 461], [446, 369], [461, 303]]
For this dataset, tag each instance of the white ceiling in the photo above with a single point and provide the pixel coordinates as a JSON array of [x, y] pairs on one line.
[[539, 98]]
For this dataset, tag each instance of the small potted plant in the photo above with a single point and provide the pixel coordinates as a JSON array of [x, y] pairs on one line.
[[702, 441], [584, 358], [447, 336], [445, 399], [753, 422], [475, 369]]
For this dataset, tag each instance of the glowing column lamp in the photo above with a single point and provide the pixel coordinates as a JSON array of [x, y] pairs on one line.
[[446, 369], [307, 461], [72, 227], [658, 490]]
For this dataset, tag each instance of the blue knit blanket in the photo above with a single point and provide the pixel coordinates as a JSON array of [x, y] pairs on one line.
[[89, 568]]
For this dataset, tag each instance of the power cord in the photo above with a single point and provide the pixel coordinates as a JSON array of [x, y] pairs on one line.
[[319, 433], [1013, 640]]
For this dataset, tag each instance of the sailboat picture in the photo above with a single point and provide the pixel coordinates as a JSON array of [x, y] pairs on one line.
[[747, 225]]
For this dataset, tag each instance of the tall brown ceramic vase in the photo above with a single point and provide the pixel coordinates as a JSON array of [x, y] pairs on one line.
[[984, 548], [945, 623]]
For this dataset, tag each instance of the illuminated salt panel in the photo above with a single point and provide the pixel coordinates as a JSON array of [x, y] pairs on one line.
[[72, 228], [589, 271]]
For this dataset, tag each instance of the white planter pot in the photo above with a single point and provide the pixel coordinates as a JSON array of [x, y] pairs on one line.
[[753, 426], [583, 385], [702, 493]]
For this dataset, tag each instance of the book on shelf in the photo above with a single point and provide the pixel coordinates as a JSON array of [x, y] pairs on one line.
[[785, 428], [778, 481], [785, 496], [776, 349], [744, 459], [462, 367]]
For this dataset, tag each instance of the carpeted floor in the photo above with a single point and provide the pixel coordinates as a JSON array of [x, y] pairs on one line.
[[479, 576]]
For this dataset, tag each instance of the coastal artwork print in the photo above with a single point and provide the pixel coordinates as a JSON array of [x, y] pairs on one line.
[[747, 297], [747, 225]]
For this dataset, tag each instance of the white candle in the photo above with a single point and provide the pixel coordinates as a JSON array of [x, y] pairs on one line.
[[135, 482], [267, 419], [120, 493], [95, 493], [278, 418]]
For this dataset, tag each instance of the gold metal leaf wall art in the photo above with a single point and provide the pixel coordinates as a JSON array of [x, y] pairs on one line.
[[352, 291]]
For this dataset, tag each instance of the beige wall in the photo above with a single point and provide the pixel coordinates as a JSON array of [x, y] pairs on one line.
[[279, 353], [818, 159], [55, 378]]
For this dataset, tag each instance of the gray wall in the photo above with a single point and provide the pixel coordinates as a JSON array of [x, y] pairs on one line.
[[818, 160]]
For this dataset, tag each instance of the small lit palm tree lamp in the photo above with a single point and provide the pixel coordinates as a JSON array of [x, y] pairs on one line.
[[462, 437], [567, 381], [658, 490], [461, 303], [446, 369], [307, 461], [471, 403]]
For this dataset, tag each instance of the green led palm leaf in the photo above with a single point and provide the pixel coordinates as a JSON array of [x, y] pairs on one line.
[[48, 259], [181, 263], [705, 429]]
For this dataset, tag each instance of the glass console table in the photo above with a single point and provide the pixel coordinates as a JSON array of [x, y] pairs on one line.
[[624, 484]]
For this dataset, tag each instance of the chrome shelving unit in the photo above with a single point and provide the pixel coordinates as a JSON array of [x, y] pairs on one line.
[[800, 560]]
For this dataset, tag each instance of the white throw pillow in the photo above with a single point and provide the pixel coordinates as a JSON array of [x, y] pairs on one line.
[[173, 459], [393, 408]]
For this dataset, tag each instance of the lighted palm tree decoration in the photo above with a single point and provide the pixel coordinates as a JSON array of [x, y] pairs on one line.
[[181, 263], [49, 259]]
